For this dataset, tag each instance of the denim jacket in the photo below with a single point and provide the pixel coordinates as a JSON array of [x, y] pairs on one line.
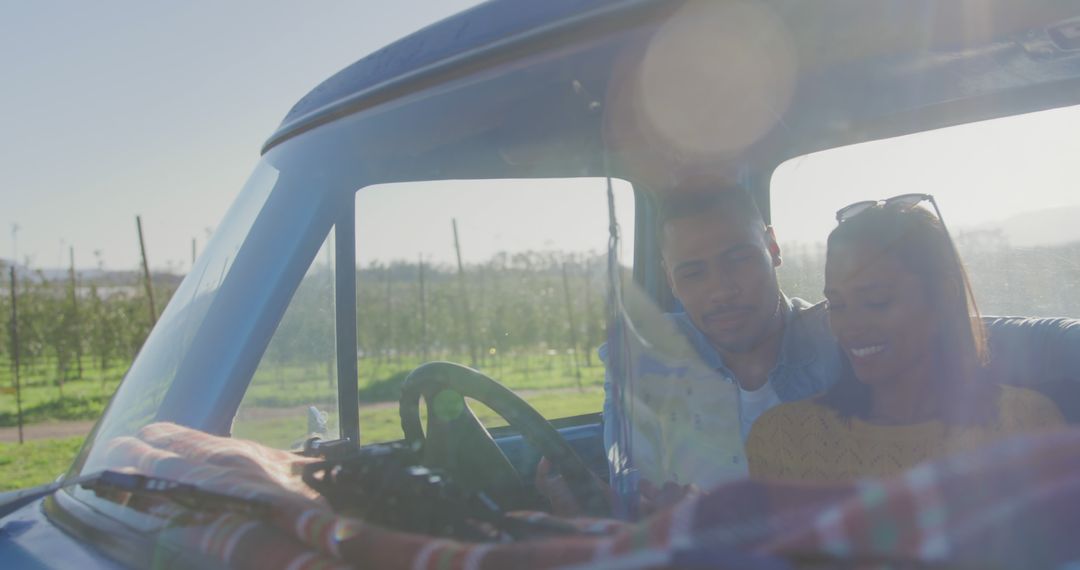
[[809, 358], [808, 363]]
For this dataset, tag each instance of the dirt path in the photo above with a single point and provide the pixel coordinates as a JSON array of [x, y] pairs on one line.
[[53, 430], [48, 430]]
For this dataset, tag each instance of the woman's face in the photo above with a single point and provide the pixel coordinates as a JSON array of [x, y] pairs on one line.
[[880, 314]]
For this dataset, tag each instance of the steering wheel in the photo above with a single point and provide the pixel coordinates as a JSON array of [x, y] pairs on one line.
[[458, 443]]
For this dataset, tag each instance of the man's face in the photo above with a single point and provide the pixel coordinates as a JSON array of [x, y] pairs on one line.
[[723, 270]]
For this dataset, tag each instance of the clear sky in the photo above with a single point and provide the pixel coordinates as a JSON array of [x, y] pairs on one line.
[[981, 174], [493, 216], [113, 109]]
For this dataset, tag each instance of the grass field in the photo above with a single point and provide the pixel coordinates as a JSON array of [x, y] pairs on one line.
[[549, 379], [35, 462], [276, 386], [43, 400], [39, 462], [378, 424]]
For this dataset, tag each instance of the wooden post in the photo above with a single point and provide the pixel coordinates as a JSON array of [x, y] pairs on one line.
[[146, 272], [481, 303], [573, 327], [590, 322], [464, 297], [423, 314], [391, 338], [15, 352], [193, 252], [75, 312]]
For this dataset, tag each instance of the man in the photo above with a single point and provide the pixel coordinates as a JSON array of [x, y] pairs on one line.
[[720, 259]]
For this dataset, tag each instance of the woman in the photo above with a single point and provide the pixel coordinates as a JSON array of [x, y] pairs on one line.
[[902, 311]]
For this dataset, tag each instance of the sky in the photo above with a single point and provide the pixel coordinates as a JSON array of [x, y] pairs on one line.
[[545, 215], [158, 109], [981, 174]]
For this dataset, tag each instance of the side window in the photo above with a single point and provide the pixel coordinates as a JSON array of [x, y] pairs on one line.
[[293, 393], [1006, 188], [506, 276]]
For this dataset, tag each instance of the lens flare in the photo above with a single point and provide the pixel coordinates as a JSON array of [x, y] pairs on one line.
[[713, 81]]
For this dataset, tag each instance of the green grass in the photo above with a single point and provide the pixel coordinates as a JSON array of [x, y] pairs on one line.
[[35, 462], [43, 400], [290, 385], [41, 461], [280, 386], [293, 386], [384, 424], [43, 374], [75, 407]]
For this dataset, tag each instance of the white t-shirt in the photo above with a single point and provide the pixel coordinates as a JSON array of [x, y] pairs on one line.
[[753, 403]]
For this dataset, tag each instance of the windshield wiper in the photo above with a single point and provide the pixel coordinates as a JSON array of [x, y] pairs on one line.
[[186, 494]]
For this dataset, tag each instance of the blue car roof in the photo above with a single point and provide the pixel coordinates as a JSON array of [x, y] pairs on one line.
[[479, 26], [931, 70]]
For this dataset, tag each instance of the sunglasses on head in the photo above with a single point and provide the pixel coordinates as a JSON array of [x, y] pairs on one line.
[[903, 201]]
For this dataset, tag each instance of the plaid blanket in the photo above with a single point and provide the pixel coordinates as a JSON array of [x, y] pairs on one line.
[[1013, 505]]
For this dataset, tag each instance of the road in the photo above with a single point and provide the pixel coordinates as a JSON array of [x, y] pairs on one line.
[[48, 430]]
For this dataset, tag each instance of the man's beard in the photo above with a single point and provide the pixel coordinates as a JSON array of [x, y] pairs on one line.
[[753, 339]]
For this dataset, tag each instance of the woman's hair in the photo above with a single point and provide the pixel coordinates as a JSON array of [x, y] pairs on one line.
[[918, 239]]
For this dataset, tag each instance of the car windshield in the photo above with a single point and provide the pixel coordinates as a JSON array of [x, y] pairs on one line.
[[139, 398], [450, 270], [507, 275]]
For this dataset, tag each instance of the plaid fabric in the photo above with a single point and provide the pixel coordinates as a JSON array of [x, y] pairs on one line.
[[1013, 505]]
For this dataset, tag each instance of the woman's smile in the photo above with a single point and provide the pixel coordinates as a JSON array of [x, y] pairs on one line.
[[866, 351]]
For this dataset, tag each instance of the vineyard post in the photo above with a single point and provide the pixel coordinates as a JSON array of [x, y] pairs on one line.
[[75, 312], [480, 308], [590, 322], [146, 272], [15, 352], [391, 337], [573, 328], [423, 314], [464, 297]]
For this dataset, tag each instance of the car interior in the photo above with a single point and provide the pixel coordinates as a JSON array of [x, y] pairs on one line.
[[816, 93]]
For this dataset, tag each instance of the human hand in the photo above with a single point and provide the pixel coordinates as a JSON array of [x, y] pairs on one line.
[[553, 487], [655, 499]]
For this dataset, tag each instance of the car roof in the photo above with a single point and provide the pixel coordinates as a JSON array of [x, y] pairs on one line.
[[484, 26], [918, 64]]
